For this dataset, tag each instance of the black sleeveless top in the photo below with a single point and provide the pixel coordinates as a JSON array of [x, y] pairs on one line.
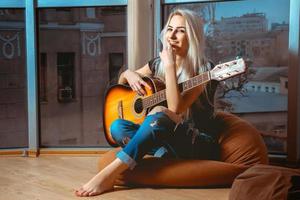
[[202, 110]]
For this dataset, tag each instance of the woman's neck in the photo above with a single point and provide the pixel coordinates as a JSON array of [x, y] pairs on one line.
[[179, 61]]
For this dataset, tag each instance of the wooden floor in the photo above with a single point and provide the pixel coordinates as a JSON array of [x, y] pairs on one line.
[[56, 177]]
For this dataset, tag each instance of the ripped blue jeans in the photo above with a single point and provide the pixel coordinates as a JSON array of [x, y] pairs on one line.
[[156, 135]]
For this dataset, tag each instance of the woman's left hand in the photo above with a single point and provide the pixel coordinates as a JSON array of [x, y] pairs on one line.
[[168, 56]]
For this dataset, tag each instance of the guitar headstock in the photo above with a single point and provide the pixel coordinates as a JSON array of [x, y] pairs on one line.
[[229, 69]]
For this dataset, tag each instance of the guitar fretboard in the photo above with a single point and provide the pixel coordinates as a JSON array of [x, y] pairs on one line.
[[160, 96]]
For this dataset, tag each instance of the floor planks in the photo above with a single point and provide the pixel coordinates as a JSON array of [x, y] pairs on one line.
[[56, 177]]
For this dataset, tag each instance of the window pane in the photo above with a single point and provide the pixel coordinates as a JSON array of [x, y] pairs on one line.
[[13, 103], [81, 51], [256, 30], [65, 75]]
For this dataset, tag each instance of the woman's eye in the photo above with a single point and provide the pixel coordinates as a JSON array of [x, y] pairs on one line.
[[182, 31], [169, 29]]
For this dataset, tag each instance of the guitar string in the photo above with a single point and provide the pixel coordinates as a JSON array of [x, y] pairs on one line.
[[188, 84], [138, 104], [154, 99]]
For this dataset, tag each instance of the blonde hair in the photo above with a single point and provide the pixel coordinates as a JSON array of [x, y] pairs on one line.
[[195, 61]]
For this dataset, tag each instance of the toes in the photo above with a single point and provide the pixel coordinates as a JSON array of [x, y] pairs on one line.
[[93, 193], [90, 194], [80, 192], [85, 194]]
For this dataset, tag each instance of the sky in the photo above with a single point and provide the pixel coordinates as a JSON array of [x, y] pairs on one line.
[[275, 10]]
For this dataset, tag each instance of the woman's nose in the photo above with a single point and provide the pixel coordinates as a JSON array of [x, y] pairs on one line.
[[173, 34]]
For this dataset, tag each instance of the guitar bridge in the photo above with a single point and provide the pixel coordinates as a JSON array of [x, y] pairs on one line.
[[120, 110]]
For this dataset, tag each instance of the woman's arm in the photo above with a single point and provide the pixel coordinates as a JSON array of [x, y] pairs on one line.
[[134, 78], [177, 102]]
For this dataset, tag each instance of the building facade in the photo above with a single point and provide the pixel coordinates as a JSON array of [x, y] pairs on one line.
[[80, 54]]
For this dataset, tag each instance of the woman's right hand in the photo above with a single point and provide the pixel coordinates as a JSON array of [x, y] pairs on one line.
[[167, 56], [136, 82]]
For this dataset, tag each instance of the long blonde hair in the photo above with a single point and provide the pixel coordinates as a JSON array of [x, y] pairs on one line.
[[195, 61]]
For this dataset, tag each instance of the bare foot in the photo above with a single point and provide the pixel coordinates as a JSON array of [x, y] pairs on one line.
[[103, 181], [97, 185]]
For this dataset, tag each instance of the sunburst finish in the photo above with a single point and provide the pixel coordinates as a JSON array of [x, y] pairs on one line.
[[119, 103]]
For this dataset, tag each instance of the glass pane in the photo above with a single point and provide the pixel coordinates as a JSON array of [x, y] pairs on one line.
[[256, 30], [81, 51], [13, 99]]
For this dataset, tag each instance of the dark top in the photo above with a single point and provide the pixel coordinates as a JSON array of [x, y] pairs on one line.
[[202, 109]]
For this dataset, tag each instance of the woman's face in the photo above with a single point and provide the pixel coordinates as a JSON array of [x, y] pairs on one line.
[[176, 35]]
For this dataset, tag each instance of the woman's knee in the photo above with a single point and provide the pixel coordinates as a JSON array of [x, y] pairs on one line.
[[159, 125], [117, 130], [171, 115], [161, 119], [123, 130]]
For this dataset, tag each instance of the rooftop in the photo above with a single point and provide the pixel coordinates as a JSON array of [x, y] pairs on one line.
[[269, 74], [253, 102]]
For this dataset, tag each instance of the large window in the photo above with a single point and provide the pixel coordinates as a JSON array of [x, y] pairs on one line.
[[258, 31], [13, 104], [83, 49]]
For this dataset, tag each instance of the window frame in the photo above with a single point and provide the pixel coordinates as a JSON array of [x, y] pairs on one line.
[[12, 4]]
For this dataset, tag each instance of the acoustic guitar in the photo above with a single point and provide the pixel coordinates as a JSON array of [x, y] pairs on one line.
[[121, 102]]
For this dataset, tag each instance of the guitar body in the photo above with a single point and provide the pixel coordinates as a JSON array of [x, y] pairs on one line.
[[121, 102]]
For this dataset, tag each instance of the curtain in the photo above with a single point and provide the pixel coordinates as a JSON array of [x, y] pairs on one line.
[[140, 33]]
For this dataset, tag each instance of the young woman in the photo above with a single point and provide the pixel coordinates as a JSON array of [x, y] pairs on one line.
[[180, 130]]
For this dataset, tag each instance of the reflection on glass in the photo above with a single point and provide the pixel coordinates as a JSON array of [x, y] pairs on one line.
[[65, 75], [81, 53], [13, 103], [256, 30]]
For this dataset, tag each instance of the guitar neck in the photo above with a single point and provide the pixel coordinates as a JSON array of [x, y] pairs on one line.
[[160, 96]]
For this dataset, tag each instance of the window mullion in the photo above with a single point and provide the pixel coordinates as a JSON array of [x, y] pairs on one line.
[[293, 140], [31, 61]]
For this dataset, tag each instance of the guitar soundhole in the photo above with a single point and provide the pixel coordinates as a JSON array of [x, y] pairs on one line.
[[138, 106]]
